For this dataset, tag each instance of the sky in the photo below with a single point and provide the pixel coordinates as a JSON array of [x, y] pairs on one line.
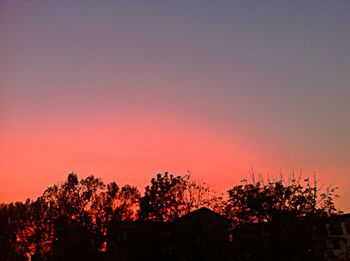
[[126, 89]]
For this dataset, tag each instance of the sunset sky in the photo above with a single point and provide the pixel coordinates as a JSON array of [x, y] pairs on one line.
[[126, 89]]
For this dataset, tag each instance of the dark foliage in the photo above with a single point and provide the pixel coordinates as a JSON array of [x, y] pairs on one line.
[[169, 197], [277, 220], [79, 219]]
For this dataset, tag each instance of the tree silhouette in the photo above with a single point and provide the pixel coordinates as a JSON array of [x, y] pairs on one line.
[[169, 197], [254, 202], [164, 199], [71, 202], [200, 194], [114, 204], [41, 228], [76, 220], [267, 215], [7, 232]]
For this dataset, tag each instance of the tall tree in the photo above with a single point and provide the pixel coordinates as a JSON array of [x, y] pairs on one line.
[[254, 202], [169, 197], [164, 198], [114, 204], [8, 231], [72, 202], [200, 194], [41, 227], [265, 216]]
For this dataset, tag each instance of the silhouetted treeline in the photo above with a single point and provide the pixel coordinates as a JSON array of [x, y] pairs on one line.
[[73, 221]]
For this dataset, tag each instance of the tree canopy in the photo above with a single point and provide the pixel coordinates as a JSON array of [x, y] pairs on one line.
[[254, 202], [70, 218], [276, 219], [170, 197]]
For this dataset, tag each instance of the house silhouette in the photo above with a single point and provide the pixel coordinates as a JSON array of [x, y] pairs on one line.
[[200, 235]]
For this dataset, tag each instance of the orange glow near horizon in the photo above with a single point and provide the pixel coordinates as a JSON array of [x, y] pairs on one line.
[[127, 152]]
